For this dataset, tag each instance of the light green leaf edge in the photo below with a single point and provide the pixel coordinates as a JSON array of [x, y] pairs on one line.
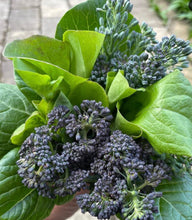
[[44, 68], [23, 131], [126, 126], [119, 88], [41, 84], [110, 77]]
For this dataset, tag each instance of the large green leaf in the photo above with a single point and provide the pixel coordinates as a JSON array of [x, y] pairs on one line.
[[14, 110], [176, 202], [17, 202], [88, 90], [41, 48], [81, 17], [86, 46], [22, 65], [38, 66], [164, 114]]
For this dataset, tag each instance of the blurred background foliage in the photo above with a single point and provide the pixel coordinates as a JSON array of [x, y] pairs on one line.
[[182, 10]]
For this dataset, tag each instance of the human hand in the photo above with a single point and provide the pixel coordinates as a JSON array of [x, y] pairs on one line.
[[63, 212]]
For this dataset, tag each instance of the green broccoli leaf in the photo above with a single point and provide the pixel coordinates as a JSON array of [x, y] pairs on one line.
[[17, 202], [119, 88], [86, 46], [28, 82], [14, 110], [176, 202], [82, 17], [42, 84], [23, 131], [43, 107], [28, 92], [41, 48], [63, 100], [163, 112], [126, 126], [88, 90], [110, 77]]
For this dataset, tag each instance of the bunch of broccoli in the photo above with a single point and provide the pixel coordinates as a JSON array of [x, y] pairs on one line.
[[77, 149]]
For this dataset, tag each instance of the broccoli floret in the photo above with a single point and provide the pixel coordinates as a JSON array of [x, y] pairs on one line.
[[118, 170]]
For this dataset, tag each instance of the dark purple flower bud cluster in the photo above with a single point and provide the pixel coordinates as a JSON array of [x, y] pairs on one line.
[[126, 181], [39, 163], [52, 164], [77, 150], [101, 68], [72, 184], [91, 122], [57, 117], [105, 200]]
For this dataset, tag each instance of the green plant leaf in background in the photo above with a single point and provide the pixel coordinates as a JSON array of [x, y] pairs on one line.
[[86, 46], [35, 69], [22, 64], [82, 17], [14, 110], [17, 202], [176, 202], [163, 112], [41, 48], [38, 66], [43, 107]]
